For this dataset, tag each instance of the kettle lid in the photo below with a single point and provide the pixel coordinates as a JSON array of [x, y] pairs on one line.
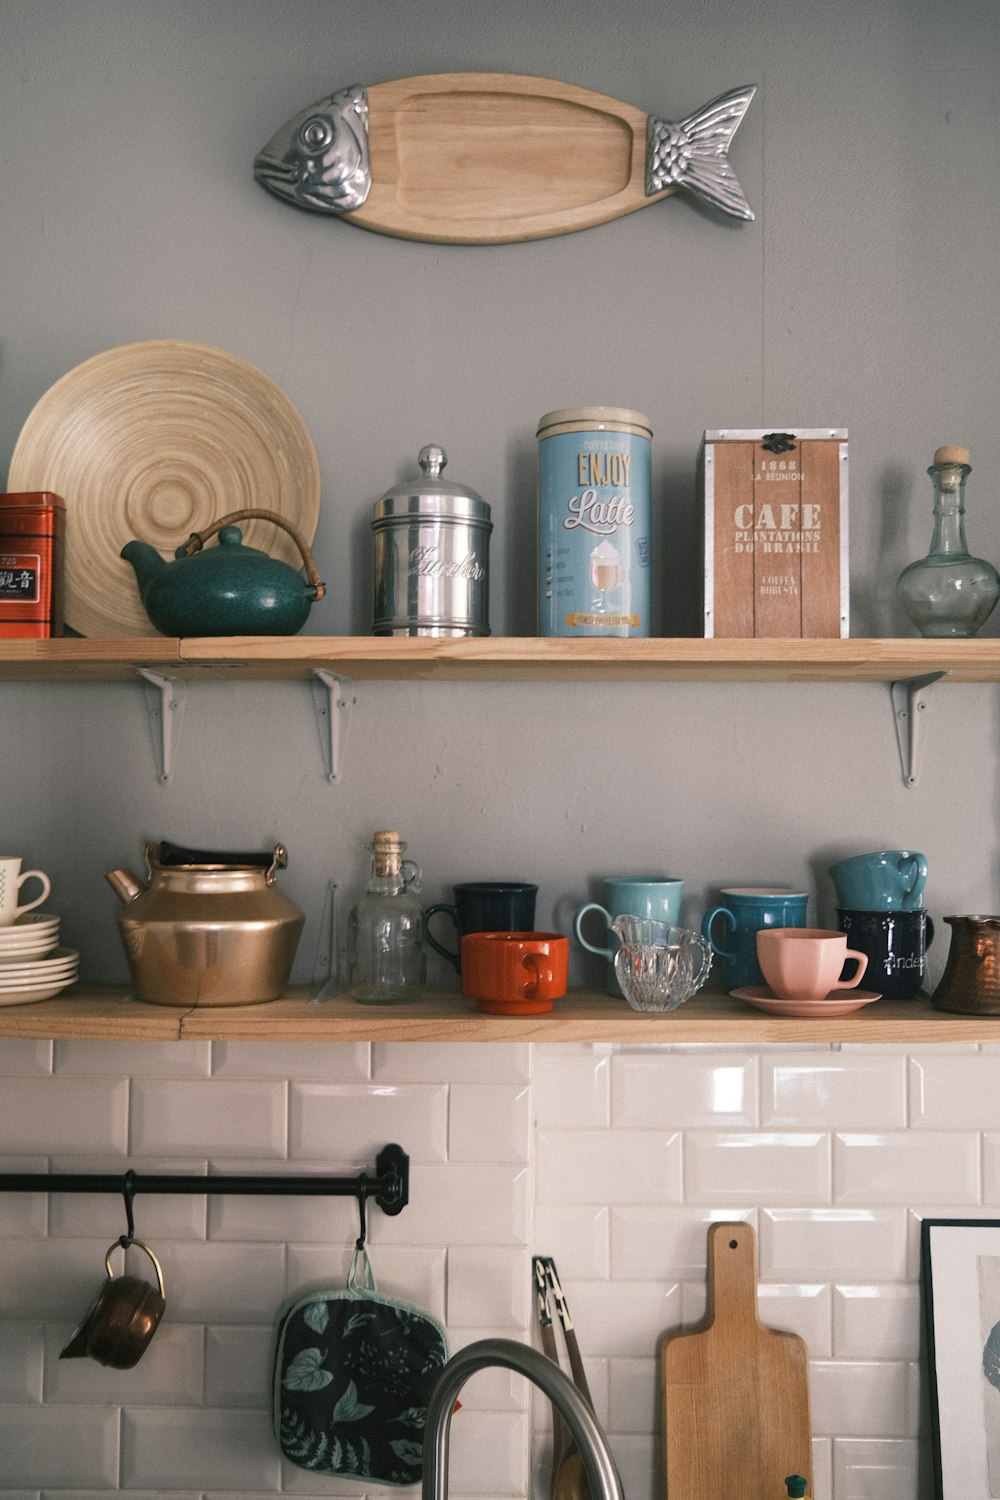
[[432, 495]]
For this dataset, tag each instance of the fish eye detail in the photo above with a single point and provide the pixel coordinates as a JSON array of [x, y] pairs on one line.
[[316, 134]]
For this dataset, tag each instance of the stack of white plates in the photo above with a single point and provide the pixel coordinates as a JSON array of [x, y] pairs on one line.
[[32, 965]]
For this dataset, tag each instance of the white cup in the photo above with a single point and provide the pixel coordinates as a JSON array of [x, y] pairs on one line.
[[11, 881]]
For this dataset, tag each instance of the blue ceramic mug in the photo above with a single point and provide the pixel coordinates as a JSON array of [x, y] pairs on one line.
[[896, 943], [887, 880], [744, 910], [629, 896]]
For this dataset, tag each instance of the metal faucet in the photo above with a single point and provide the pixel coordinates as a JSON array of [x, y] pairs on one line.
[[540, 1370]]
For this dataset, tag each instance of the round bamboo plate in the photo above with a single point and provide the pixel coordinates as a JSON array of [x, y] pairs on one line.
[[152, 441]]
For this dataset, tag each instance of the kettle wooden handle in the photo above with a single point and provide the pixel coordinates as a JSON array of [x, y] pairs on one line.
[[197, 540]]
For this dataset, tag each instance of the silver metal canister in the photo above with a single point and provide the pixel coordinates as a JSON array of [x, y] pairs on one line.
[[431, 556]]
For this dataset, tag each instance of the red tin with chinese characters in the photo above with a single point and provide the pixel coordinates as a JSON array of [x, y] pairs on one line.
[[32, 531]]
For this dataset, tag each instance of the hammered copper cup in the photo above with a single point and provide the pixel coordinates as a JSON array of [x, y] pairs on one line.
[[122, 1319]]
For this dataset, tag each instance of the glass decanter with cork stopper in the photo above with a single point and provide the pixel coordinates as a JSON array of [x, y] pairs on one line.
[[385, 936], [949, 592]]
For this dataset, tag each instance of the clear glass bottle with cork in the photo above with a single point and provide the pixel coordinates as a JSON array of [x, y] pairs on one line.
[[949, 592], [385, 938]]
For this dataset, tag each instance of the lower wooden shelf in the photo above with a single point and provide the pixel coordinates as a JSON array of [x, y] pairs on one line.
[[93, 1013]]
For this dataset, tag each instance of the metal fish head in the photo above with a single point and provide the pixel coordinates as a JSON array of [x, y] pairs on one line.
[[319, 159]]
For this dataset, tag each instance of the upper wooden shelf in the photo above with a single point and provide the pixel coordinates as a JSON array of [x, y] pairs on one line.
[[90, 1013], [500, 658]]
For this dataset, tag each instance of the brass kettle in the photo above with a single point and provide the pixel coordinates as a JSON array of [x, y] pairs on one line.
[[207, 929]]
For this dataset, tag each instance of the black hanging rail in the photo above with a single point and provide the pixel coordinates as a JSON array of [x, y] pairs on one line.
[[389, 1188]]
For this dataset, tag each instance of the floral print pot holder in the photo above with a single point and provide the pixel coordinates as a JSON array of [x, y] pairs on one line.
[[353, 1373]]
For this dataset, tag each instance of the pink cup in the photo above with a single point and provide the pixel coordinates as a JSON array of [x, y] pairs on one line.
[[804, 963]]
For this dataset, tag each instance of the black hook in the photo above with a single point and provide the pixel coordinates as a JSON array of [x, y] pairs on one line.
[[362, 1194], [128, 1193]]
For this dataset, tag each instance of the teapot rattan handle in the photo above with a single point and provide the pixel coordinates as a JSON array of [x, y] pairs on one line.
[[197, 540]]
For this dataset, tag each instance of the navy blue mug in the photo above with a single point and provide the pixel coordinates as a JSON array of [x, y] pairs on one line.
[[896, 943], [484, 906]]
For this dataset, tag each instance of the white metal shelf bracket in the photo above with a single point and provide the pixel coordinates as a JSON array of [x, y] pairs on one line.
[[165, 699], [333, 698], [909, 707]]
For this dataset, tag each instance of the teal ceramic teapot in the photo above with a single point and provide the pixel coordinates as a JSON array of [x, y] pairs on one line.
[[231, 589]]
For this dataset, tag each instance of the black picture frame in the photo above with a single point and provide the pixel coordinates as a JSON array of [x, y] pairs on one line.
[[960, 1279]]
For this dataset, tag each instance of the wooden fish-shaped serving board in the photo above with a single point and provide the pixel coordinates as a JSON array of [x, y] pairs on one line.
[[736, 1394], [492, 158]]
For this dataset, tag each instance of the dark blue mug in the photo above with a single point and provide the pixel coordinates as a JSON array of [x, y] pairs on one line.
[[484, 906], [896, 943]]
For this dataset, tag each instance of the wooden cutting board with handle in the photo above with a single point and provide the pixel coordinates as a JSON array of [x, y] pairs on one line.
[[736, 1394]]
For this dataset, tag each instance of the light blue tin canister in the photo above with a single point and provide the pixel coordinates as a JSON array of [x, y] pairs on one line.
[[594, 522]]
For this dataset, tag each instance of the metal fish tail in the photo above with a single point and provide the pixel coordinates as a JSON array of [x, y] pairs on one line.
[[693, 153]]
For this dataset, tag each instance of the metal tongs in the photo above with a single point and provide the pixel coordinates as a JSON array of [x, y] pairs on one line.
[[569, 1481]]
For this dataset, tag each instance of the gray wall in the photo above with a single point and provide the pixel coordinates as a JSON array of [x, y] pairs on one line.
[[862, 296]]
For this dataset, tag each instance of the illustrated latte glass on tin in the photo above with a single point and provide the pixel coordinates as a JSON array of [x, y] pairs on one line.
[[594, 522]]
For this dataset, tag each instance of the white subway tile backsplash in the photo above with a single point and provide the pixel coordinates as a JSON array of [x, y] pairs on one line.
[[833, 1244], [621, 1320], [902, 1167], [870, 1320], [606, 1166], [328, 1062], [238, 1367], [877, 1469], [451, 1062], [857, 1398], [68, 1116], [488, 1453], [682, 1090], [222, 1283], [176, 1117], [664, 1241], [571, 1087], [575, 1237], [752, 1167], [198, 1450], [613, 1160], [633, 1395], [489, 1122], [489, 1287], [170, 1373], [480, 1204], [854, 1090], [133, 1059], [322, 1116], [24, 1058], [21, 1346], [59, 1445], [955, 1093]]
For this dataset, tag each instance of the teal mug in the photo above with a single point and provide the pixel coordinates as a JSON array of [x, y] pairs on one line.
[[887, 880], [744, 911], [629, 896]]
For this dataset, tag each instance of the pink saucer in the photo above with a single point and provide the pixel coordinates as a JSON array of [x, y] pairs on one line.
[[836, 1003]]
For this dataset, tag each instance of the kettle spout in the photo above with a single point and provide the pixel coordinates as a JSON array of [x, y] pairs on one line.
[[124, 884], [146, 563]]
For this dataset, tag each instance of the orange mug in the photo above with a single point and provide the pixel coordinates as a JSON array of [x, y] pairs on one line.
[[514, 973]]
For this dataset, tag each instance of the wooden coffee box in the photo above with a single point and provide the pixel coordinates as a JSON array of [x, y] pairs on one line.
[[775, 537]]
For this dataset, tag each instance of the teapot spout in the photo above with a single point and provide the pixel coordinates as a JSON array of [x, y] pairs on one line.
[[146, 563], [124, 884]]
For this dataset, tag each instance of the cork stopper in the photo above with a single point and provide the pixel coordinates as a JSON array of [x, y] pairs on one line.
[[388, 848], [951, 455]]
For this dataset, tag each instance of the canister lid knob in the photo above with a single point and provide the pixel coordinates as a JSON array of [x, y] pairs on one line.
[[432, 460]]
